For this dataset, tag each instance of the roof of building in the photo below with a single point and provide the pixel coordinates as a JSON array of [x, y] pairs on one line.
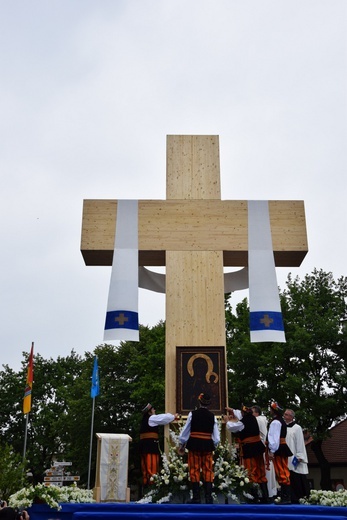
[[334, 447]]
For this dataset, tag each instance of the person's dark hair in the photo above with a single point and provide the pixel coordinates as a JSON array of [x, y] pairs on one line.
[[204, 399], [257, 409]]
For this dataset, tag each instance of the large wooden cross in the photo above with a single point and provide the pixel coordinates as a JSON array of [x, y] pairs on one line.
[[194, 234]]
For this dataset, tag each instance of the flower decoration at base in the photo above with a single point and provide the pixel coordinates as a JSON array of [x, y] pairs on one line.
[[231, 479], [319, 497], [53, 496], [172, 483]]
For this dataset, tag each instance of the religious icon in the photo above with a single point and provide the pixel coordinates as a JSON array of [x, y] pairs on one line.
[[200, 369]]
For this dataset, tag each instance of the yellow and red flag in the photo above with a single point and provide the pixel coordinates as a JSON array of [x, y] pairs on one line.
[[29, 382]]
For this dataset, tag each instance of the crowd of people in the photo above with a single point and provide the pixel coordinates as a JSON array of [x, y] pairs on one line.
[[273, 452]]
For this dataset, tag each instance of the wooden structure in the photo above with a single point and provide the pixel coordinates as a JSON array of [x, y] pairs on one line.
[[194, 234]]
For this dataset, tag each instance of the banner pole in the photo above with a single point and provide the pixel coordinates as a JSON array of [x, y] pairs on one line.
[[25, 436], [91, 443]]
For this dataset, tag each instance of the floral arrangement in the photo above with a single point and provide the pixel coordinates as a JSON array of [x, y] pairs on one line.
[[231, 479], [326, 498], [53, 496], [172, 482]]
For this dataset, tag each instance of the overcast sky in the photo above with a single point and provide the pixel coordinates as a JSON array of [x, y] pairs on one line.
[[89, 90]]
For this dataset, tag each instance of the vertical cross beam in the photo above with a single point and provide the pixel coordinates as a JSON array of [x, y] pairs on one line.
[[194, 279]]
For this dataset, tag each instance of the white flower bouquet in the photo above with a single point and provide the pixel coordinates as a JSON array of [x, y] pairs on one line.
[[326, 498], [231, 479], [53, 496]]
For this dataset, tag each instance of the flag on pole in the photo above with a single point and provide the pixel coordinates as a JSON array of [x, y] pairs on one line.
[[95, 389], [266, 323], [29, 382], [122, 308]]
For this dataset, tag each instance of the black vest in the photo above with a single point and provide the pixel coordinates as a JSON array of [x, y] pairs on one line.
[[201, 429], [283, 450], [250, 447], [149, 442]]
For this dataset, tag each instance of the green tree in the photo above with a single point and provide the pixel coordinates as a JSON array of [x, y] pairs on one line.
[[46, 434], [59, 425], [315, 311], [308, 372], [242, 367], [12, 474]]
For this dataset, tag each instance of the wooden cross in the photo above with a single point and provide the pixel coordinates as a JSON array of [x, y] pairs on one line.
[[194, 234]]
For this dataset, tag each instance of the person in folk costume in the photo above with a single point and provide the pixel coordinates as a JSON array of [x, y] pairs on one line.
[[149, 440], [269, 469], [245, 425], [200, 435], [278, 450], [298, 462]]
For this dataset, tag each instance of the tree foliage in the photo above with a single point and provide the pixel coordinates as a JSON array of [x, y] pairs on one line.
[[315, 313], [12, 474], [59, 426], [308, 372]]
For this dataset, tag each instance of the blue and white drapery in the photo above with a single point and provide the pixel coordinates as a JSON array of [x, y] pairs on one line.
[[266, 323], [122, 321]]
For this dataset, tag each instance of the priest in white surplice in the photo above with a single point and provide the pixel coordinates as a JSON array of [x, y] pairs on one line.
[[297, 463]]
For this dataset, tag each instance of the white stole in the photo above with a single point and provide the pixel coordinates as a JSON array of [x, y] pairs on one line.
[[266, 323], [122, 322]]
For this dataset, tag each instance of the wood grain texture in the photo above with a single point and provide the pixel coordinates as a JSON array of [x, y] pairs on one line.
[[194, 225]]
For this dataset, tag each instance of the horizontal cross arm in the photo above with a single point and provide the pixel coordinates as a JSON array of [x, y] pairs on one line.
[[194, 225]]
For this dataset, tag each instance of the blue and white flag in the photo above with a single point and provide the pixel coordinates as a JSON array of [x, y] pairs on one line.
[[95, 389], [266, 323], [122, 321]]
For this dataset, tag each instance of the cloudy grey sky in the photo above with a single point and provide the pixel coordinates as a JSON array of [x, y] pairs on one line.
[[88, 92]]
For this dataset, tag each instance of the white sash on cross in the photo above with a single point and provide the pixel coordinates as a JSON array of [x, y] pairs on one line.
[[122, 321], [266, 323]]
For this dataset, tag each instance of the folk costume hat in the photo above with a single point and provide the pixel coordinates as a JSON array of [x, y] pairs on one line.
[[147, 408], [204, 399], [276, 407], [247, 409]]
